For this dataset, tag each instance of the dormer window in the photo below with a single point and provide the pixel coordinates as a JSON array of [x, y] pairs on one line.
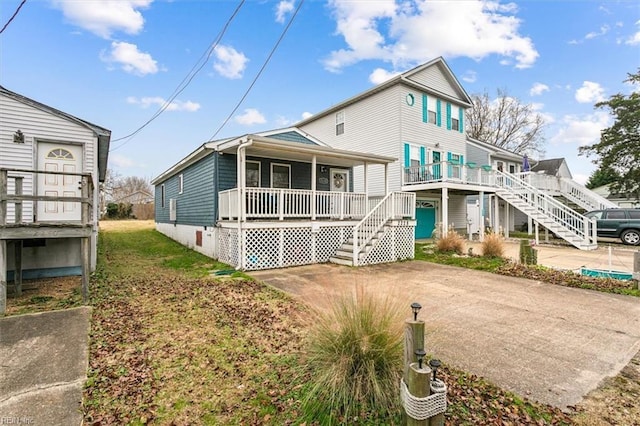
[[339, 123]]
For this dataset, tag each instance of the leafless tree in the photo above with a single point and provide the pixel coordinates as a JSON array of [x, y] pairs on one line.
[[506, 122]]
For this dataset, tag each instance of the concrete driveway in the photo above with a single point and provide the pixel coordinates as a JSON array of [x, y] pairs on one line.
[[549, 343]]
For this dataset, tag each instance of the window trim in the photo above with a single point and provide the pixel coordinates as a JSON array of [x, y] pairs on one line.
[[340, 130], [288, 166], [163, 196], [259, 163], [180, 183]]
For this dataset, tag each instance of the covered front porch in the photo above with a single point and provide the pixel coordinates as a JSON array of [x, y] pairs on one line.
[[303, 210]]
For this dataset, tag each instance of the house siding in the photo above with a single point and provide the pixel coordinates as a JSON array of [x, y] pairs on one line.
[[38, 125], [372, 125], [196, 204], [477, 155], [435, 78]]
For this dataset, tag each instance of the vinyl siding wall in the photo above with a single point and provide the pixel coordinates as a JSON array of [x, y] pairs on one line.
[[372, 126], [38, 125], [477, 155], [416, 132], [434, 78], [197, 205]]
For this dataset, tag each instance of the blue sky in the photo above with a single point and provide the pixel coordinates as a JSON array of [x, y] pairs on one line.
[[116, 62]]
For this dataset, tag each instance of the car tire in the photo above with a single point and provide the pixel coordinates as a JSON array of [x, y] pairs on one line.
[[631, 237]]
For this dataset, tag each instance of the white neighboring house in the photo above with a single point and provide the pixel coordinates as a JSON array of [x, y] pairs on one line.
[[50, 166], [621, 200]]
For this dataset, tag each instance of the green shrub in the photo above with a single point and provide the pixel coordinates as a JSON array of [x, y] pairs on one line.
[[493, 245], [355, 358]]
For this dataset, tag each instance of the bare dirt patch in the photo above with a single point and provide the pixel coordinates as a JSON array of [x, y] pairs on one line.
[[45, 294]]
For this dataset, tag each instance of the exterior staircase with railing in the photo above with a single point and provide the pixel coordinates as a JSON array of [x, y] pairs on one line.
[[369, 232], [563, 221]]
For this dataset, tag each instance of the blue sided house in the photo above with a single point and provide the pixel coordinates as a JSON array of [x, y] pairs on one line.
[[283, 198], [358, 182]]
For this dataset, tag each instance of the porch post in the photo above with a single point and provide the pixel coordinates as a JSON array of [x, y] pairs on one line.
[[313, 187], [3, 276], [481, 208], [496, 216], [445, 211], [507, 222], [537, 233], [366, 182], [529, 225], [386, 178]]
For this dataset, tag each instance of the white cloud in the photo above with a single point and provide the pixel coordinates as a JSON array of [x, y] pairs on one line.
[[176, 105], [582, 130], [470, 76], [546, 116], [580, 178], [283, 8], [603, 30], [103, 17], [251, 116], [412, 32], [380, 75], [229, 62], [634, 39], [590, 92], [538, 89], [130, 58], [306, 115]]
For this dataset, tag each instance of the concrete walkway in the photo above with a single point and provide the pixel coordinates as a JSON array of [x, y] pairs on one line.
[[43, 367], [568, 257], [550, 343]]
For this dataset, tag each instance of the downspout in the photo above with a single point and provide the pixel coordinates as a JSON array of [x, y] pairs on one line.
[[241, 186]]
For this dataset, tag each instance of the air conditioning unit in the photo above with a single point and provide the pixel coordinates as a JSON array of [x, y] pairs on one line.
[[173, 209]]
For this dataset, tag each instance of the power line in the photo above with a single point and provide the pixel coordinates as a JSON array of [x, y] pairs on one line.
[[13, 16], [185, 81], [264, 65]]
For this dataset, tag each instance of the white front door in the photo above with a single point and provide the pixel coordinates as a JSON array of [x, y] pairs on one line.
[[59, 157], [339, 180]]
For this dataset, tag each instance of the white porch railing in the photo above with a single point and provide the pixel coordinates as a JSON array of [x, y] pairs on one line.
[[395, 205], [446, 171], [273, 203]]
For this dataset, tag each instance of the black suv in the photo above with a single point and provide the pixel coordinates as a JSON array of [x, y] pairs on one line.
[[618, 223]]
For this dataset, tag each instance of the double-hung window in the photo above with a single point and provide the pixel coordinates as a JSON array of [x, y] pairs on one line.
[[339, 122], [455, 122], [455, 161], [252, 174], [280, 175]]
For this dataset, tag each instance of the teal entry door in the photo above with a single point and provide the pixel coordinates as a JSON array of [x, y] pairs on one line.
[[425, 219]]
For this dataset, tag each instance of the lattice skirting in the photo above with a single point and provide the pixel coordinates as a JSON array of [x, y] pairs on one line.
[[397, 243], [279, 247]]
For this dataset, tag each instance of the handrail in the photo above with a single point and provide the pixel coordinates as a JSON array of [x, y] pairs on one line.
[[584, 197], [564, 216], [393, 205]]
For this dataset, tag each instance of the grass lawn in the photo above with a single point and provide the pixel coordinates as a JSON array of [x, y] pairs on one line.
[[171, 344]]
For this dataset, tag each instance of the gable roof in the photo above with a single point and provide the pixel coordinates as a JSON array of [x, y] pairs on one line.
[[103, 135], [496, 150], [403, 78], [550, 166], [292, 134]]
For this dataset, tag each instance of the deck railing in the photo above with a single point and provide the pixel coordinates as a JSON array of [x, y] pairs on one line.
[[12, 202], [280, 204], [447, 171]]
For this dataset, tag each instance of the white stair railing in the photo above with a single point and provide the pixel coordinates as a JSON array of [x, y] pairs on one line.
[[544, 208], [395, 205], [570, 189], [584, 197]]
